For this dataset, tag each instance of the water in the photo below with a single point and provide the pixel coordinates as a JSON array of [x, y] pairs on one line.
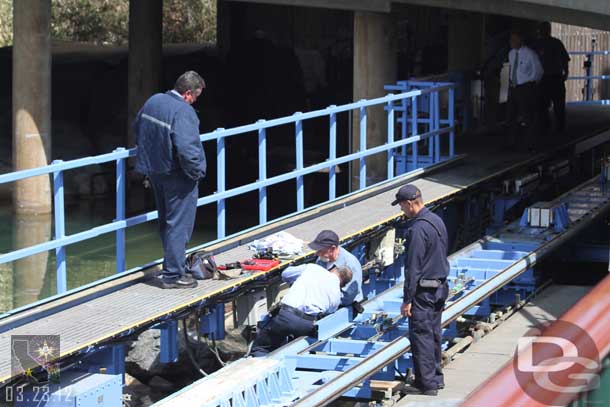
[[34, 278]]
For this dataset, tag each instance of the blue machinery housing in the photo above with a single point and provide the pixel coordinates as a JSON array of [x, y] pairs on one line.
[[349, 352], [425, 116]]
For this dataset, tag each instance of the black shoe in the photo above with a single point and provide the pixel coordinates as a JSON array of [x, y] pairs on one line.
[[186, 281], [417, 390], [441, 386]]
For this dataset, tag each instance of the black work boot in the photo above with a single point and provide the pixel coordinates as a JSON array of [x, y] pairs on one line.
[[419, 391], [185, 281]]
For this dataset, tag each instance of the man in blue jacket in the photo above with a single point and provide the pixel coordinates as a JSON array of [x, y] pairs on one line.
[[171, 155], [425, 288]]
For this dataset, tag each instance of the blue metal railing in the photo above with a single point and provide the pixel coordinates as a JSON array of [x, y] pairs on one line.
[[587, 90], [120, 155]]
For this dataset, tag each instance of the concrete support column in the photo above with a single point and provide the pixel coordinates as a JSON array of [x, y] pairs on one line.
[[375, 62], [32, 102], [145, 51], [29, 272]]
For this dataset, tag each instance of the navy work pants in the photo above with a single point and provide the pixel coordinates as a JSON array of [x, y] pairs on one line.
[[425, 335], [522, 117], [176, 197], [553, 89], [281, 328]]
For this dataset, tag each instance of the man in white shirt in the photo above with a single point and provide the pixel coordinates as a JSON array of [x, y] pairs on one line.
[[315, 294], [525, 71], [331, 254]]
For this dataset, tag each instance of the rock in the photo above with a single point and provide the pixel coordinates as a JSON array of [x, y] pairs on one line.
[[160, 384], [142, 360]]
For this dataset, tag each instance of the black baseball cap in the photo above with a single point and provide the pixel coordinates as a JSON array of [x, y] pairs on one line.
[[324, 240], [406, 193]]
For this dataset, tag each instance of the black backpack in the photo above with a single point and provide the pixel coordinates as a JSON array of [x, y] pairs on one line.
[[201, 265]]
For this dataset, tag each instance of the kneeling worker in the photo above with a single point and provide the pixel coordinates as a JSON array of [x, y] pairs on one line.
[[425, 288], [315, 294], [331, 255]]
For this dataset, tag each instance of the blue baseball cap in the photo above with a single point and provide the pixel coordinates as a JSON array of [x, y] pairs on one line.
[[324, 240], [407, 192]]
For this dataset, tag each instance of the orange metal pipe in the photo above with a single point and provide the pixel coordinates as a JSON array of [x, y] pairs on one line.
[[587, 325]]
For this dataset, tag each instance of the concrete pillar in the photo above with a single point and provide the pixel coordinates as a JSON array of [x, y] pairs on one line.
[[29, 273], [6, 287], [375, 62], [145, 51], [32, 102]]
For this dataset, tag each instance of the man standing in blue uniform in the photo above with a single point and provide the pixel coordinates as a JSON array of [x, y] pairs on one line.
[[555, 60], [425, 288], [171, 155], [316, 292]]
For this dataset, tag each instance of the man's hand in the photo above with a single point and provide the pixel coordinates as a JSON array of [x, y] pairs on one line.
[[405, 309]]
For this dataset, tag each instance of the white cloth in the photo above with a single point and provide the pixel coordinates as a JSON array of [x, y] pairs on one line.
[[315, 291], [280, 243], [529, 68]]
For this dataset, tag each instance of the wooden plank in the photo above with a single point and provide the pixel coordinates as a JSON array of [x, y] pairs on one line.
[[383, 385]]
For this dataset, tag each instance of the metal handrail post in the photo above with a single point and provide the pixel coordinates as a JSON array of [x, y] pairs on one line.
[[221, 227], [298, 126], [262, 173], [332, 154], [120, 212], [60, 230], [451, 117], [363, 124], [437, 126], [414, 129], [390, 153]]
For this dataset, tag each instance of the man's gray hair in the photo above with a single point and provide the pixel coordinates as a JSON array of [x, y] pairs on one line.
[[189, 80], [345, 275]]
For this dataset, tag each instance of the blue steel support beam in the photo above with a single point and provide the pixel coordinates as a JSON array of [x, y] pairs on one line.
[[168, 342]]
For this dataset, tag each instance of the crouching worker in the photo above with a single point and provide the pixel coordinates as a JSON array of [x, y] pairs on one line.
[[315, 294]]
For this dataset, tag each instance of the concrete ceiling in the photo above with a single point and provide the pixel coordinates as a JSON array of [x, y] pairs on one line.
[[586, 13]]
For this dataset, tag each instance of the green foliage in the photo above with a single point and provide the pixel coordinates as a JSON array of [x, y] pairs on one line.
[[6, 22], [97, 21], [189, 21], [107, 21]]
